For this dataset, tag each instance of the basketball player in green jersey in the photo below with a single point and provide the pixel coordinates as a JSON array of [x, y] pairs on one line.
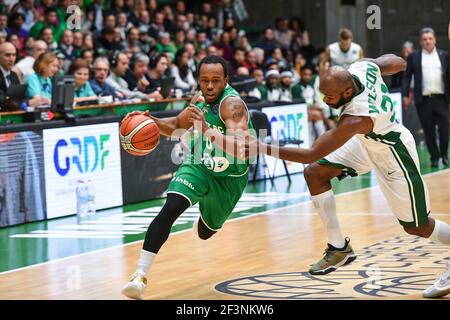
[[215, 172], [367, 137]]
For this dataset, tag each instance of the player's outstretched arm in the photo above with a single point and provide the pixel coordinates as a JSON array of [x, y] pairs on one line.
[[235, 115], [389, 64], [331, 140]]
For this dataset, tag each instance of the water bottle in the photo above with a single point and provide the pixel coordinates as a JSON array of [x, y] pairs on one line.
[[90, 198], [82, 199]]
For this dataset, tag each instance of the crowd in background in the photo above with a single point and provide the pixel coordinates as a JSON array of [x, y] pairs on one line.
[[124, 49]]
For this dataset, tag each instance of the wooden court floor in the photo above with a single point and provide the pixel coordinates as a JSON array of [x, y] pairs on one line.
[[260, 257]]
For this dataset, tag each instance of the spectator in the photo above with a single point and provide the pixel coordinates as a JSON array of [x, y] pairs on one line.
[[179, 40], [225, 46], [25, 66], [342, 53], [26, 8], [299, 62], [61, 61], [47, 37], [144, 19], [225, 13], [123, 24], [110, 21], [300, 40], [276, 57], [107, 44], [308, 90], [88, 55], [95, 13], [268, 43], [244, 44], [77, 43], [88, 42], [180, 7], [136, 76], [184, 79], [42, 7], [15, 26], [119, 66], [132, 36], [286, 86], [164, 43], [157, 26], [281, 34], [407, 49], [250, 60], [99, 85], [8, 77], [190, 49], [67, 49], [3, 22], [237, 61], [431, 69], [202, 40], [212, 51], [50, 21], [270, 90], [258, 74], [158, 67], [39, 84], [83, 91], [145, 42]]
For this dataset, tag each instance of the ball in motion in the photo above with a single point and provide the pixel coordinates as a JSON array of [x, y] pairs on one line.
[[139, 135]]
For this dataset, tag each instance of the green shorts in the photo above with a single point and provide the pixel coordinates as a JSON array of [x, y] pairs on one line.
[[217, 196]]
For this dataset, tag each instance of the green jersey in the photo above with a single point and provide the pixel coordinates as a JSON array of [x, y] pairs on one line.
[[207, 154]]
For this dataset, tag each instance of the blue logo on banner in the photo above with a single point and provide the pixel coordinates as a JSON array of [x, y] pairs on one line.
[[82, 160], [291, 128]]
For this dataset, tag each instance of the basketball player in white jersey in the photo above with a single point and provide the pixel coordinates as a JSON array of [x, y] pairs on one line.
[[342, 53], [367, 137]]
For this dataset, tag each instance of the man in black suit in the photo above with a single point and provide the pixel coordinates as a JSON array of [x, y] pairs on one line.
[[7, 61], [431, 69]]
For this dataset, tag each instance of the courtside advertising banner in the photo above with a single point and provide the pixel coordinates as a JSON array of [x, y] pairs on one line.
[[288, 123], [87, 153]]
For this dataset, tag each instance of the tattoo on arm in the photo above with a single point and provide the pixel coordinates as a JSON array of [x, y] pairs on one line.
[[237, 108]]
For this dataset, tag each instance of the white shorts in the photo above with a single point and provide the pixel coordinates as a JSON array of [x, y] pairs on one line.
[[396, 166]]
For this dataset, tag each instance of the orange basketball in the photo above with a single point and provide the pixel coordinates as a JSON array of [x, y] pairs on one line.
[[139, 135]]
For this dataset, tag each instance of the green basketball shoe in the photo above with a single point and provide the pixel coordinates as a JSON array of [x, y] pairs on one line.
[[333, 259]]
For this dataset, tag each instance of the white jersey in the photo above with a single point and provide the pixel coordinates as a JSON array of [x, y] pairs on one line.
[[373, 101], [389, 150], [344, 59]]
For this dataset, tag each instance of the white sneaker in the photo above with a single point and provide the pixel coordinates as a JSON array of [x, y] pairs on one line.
[[134, 289], [441, 287]]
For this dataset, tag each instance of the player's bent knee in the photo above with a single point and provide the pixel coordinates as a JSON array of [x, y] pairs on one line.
[[204, 232]]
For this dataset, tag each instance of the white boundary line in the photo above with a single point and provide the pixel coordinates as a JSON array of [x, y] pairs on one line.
[[189, 230]]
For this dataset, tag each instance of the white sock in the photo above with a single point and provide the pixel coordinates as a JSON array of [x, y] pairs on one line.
[[441, 233], [320, 127], [312, 134], [145, 261], [326, 205]]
